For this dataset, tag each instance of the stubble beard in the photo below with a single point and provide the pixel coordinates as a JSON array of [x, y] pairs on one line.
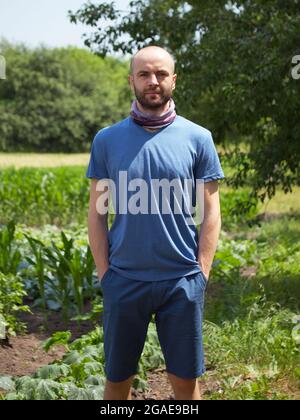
[[147, 103]]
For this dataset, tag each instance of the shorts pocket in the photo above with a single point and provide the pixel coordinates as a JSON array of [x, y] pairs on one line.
[[203, 279], [104, 276]]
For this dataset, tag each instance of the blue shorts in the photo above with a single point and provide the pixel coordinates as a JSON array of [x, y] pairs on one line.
[[128, 308]]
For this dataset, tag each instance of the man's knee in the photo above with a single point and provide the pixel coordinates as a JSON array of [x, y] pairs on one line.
[[120, 384], [182, 383], [118, 390], [185, 389]]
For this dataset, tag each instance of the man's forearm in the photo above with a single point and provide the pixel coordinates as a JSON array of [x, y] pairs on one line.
[[208, 240], [98, 239]]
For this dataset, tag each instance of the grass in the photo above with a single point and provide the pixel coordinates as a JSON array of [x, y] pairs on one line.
[[42, 160], [254, 357], [282, 203]]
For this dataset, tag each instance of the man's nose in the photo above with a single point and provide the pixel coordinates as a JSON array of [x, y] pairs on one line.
[[153, 79]]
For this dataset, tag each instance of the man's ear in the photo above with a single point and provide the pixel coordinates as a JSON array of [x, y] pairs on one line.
[[130, 81]]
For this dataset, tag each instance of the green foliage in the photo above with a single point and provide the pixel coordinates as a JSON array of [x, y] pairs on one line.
[[237, 81], [94, 314], [245, 269], [38, 261], [40, 196], [11, 303], [232, 255], [58, 274], [60, 337], [237, 206], [12, 288], [250, 355], [57, 99], [63, 273], [46, 196], [263, 336], [9, 256]]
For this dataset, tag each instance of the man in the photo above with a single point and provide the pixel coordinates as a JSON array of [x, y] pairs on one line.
[[153, 261]]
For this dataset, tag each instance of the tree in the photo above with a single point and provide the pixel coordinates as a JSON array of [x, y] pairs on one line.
[[234, 62], [55, 100]]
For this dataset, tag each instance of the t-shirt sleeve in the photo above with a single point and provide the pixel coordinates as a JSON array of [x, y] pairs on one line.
[[97, 167], [208, 167]]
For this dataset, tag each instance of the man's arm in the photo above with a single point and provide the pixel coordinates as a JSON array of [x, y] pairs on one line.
[[210, 227], [98, 229]]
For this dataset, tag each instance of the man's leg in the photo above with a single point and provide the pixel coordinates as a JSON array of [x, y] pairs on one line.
[[126, 316], [118, 390], [179, 326], [184, 389]]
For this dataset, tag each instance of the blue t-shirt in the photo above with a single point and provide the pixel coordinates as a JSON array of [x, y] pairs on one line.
[[153, 244]]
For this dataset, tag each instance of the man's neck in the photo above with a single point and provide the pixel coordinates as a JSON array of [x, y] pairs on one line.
[[151, 130]]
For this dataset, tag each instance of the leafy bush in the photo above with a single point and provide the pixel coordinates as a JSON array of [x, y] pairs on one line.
[[237, 207], [57, 99], [11, 303]]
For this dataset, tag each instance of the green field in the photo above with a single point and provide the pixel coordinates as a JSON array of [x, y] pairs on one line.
[[42, 160]]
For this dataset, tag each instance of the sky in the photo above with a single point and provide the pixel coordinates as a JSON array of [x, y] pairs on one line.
[[46, 22]]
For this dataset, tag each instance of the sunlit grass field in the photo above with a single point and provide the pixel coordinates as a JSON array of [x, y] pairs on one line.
[[40, 160]]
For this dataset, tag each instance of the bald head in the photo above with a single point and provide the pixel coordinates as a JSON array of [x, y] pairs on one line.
[[152, 55], [152, 78]]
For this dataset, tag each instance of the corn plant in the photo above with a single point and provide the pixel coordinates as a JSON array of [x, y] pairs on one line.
[[37, 196], [39, 263], [64, 274], [88, 269], [58, 261], [9, 256], [75, 268]]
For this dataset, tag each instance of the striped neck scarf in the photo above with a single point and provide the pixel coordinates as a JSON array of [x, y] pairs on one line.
[[153, 122]]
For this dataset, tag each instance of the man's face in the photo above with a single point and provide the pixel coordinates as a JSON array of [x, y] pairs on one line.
[[152, 81]]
